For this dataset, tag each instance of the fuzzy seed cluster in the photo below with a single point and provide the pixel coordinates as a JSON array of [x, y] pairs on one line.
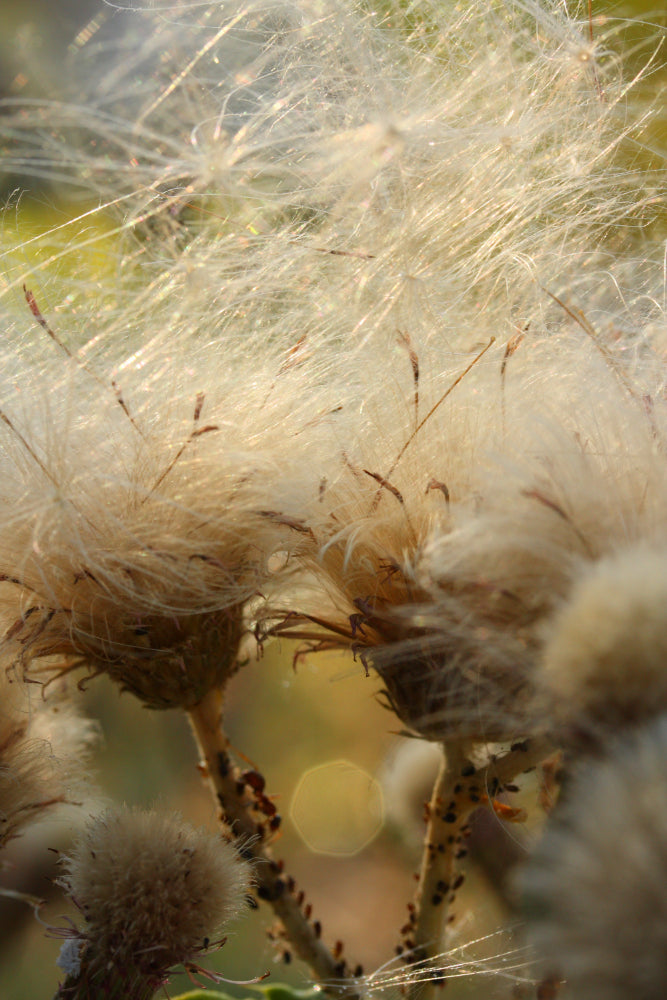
[[594, 889]]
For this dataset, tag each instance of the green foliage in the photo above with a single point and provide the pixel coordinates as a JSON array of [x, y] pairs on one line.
[[277, 991], [281, 991], [203, 995]]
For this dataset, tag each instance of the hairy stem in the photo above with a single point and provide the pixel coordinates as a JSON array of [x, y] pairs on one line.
[[252, 821], [438, 873], [459, 790]]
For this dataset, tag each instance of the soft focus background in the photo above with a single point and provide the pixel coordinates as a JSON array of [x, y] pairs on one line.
[[330, 753]]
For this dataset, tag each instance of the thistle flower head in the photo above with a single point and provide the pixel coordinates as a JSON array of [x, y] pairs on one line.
[[471, 507], [153, 891]]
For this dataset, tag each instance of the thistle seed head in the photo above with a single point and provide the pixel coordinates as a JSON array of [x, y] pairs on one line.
[[44, 750], [138, 531], [446, 674], [579, 480]]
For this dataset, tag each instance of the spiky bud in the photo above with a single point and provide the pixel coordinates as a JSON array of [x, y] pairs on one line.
[[153, 892]]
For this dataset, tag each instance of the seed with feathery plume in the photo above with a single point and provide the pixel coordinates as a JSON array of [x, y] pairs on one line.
[[342, 158], [153, 892]]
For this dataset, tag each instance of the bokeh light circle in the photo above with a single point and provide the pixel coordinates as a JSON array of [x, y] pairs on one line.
[[337, 808]]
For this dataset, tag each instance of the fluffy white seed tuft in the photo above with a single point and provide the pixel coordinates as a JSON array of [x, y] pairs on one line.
[[605, 664]]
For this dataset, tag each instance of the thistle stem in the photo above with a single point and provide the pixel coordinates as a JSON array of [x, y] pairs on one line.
[[243, 811], [459, 789], [437, 876]]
